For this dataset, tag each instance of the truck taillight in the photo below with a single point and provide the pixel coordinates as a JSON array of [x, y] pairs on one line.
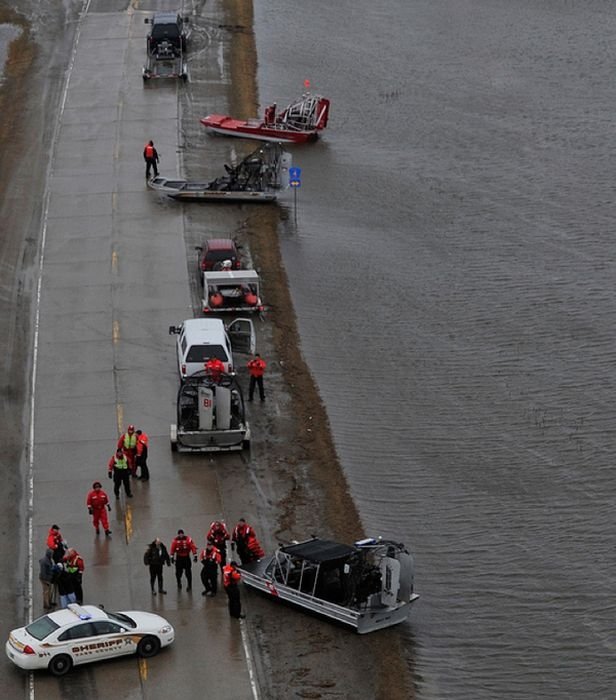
[[183, 370]]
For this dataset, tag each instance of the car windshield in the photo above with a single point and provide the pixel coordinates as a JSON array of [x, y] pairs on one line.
[[219, 255], [165, 31], [201, 353], [41, 628], [122, 619]]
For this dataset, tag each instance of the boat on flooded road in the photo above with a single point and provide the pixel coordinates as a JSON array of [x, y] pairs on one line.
[[367, 585]]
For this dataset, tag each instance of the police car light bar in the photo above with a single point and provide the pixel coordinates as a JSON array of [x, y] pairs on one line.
[[81, 613]]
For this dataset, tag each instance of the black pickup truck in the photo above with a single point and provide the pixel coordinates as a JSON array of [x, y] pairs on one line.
[[168, 27], [166, 46]]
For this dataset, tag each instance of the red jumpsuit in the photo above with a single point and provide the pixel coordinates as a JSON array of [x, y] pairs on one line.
[[218, 536], [181, 548], [215, 368], [97, 504]]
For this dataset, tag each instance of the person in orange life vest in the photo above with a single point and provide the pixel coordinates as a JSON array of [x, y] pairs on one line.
[[181, 549], [74, 566], [141, 455], [56, 542], [256, 367], [210, 561], [98, 505], [218, 535], [150, 155], [254, 551], [230, 580], [215, 368], [118, 471], [128, 444], [239, 539]]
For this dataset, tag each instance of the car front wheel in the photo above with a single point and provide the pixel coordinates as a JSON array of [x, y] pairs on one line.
[[147, 647], [60, 665]]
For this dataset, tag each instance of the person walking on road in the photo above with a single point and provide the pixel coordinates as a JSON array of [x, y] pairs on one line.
[[119, 472], [74, 567], [181, 549], [242, 533], [141, 456], [47, 577], [230, 580], [156, 556], [128, 444], [210, 561], [218, 535], [150, 155], [56, 542], [98, 505], [256, 367]]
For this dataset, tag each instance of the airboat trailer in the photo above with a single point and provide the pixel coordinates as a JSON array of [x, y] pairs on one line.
[[367, 586], [210, 415]]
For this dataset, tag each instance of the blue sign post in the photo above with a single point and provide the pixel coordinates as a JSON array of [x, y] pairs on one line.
[[295, 177], [295, 181]]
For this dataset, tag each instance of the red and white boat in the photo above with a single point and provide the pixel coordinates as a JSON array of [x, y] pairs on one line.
[[300, 122]]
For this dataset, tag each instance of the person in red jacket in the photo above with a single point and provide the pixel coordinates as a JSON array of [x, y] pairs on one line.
[[256, 367], [254, 551], [181, 549], [210, 561], [74, 567], [150, 155], [98, 505], [141, 456], [218, 535], [230, 580], [128, 444], [215, 369], [242, 533], [56, 542]]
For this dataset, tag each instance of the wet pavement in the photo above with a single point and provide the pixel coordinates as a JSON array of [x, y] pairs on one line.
[[114, 279]]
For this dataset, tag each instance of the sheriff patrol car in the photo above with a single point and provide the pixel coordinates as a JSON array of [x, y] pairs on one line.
[[81, 634]]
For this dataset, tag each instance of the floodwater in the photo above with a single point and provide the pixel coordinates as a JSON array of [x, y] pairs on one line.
[[453, 271]]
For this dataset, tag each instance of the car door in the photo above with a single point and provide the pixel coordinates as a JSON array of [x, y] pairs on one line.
[[241, 332], [80, 641], [114, 639]]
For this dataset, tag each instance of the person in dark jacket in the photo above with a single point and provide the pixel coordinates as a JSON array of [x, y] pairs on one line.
[[47, 577], [156, 556], [66, 585], [230, 580], [210, 560]]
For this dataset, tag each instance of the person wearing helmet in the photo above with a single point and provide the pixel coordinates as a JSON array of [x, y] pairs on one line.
[[128, 444], [98, 505]]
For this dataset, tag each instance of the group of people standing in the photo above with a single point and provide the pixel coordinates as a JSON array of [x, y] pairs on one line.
[[183, 552], [131, 457], [61, 572]]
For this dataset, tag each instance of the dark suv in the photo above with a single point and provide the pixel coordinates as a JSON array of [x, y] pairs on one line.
[[168, 27], [214, 252]]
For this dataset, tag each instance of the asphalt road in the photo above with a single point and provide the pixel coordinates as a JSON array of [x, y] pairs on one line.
[[114, 277]]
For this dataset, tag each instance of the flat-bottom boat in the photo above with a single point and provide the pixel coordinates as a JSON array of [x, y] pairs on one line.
[[255, 179], [367, 586]]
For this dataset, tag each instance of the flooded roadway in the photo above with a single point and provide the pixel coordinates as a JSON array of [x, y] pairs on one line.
[[453, 274]]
